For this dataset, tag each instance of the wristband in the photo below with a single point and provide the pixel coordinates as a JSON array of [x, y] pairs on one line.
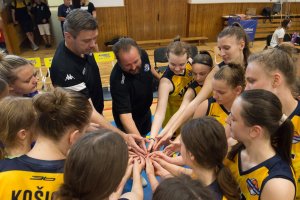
[[152, 139]]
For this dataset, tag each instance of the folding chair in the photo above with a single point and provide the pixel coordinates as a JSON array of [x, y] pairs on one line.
[[160, 56]]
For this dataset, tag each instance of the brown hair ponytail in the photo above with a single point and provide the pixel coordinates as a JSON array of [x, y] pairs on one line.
[[279, 128], [205, 139]]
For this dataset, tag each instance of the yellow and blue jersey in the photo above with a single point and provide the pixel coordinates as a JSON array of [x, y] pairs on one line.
[[217, 111], [252, 181], [180, 84], [295, 118], [28, 178], [195, 87]]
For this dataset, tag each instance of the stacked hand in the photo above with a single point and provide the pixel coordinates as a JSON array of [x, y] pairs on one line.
[[153, 168], [162, 139], [172, 148], [137, 144], [156, 142], [153, 163]]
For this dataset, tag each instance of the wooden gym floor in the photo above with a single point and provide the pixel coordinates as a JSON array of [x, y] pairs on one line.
[[105, 68]]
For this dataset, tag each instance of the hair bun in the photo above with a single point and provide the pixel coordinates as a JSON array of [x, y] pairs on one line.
[[50, 102]]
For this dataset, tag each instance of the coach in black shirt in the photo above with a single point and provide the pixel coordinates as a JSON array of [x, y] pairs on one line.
[[74, 67], [131, 88]]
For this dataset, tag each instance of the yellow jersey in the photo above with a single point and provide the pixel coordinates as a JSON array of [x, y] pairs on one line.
[[295, 118], [28, 178], [217, 111], [180, 84], [195, 87], [252, 181]]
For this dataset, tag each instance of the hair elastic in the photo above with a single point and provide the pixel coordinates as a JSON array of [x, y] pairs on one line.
[[282, 120]]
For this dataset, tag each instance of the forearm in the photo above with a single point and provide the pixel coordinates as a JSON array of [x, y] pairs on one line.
[[190, 109], [156, 124], [176, 160], [153, 181], [137, 187], [186, 115], [128, 123], [163, 95], [176, 170], [173, 119], [97, 118], [118, 192]]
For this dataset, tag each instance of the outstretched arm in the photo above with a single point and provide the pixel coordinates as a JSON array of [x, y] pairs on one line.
[[165, 87], [129, 124], [130, 139], [173, 169], [137, 188], [201, 96], [165, 135], [201, 110]]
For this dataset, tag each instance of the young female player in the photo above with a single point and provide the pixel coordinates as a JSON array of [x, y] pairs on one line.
[[203, 148], [106, 172], [62, 117], [261, 161], [16, 126], [234, 48], [19, 73], [274, 70], [201, 66], [172, 87]]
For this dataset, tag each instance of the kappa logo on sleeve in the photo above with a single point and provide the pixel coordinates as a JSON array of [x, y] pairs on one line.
[[69, 77]]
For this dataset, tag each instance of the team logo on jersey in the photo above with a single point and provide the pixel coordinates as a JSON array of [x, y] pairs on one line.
[[146, 67], [42, 178], [69, 77], [252, 186], [296, 139]]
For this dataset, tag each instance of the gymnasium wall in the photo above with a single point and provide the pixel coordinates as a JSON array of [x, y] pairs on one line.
[[206, 19], [160, 19], [202, 19]]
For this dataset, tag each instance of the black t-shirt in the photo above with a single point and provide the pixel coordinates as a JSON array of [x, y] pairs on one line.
[[132, 93], [63, 11], [76, 73]]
